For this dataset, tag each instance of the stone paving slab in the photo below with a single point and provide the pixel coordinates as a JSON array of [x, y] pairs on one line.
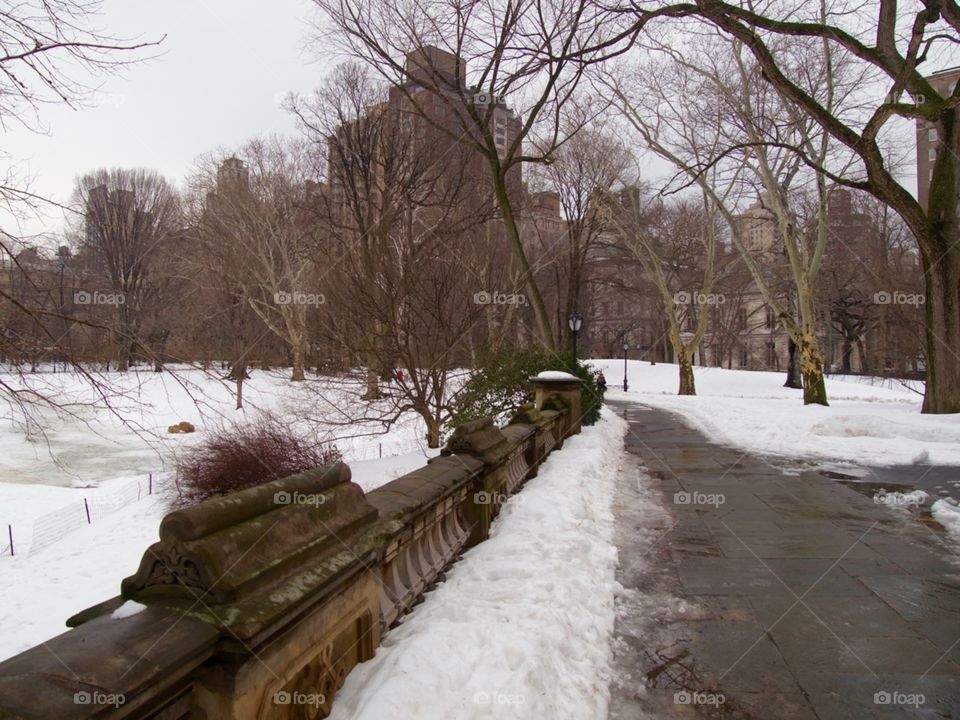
[[794, 597]]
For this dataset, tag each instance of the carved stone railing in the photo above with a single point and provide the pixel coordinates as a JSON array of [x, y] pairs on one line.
[[425, 527], [259, 603]]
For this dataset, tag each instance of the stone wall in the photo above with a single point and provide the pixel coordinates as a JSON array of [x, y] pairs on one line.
[[258, 604]]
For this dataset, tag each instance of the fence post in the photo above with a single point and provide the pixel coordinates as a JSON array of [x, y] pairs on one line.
[[87, 508], [151, 484], [380, 447], [10, 533]]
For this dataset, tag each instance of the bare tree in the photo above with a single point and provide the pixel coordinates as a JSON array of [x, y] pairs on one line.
[[402, 227], [127, 217], [50, 54], [262, 211], [711, 111], [679, 257], [458, 66], [581, 174], [892, 49]]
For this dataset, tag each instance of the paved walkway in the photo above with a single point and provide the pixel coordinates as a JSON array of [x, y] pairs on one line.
[[794, 597]]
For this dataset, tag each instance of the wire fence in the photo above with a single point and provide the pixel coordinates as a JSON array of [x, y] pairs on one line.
[[375, 451], [53, 526]]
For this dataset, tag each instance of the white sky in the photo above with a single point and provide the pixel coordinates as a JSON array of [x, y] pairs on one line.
[[225, 67]]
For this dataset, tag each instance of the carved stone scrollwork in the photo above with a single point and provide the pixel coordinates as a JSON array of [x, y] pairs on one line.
[[171, 567]]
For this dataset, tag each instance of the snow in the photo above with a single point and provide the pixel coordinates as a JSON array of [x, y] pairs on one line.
[[946, 511], [370, 474], [869, 421], [106, 454], [914, 498], [555, 375], [71, 565], [128, 609], [41, 591], [528, 614]]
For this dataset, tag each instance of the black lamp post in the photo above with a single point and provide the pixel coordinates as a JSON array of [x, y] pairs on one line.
[[576, 322], [626, 346]]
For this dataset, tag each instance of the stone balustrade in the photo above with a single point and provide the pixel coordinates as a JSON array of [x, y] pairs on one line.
[[259, 603]]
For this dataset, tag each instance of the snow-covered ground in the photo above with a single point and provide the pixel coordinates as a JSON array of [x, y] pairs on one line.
[[105, 456], [94, 455], [528, 614], [868, 422], [946, 511], [98, 451]]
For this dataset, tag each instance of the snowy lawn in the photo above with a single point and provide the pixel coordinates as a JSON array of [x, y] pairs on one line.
[[98, 457], [57, 464], [528, 614], [41, 590], [866, 423]]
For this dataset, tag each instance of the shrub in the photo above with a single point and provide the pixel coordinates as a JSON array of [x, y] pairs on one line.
[[498, 388], [242, 456]]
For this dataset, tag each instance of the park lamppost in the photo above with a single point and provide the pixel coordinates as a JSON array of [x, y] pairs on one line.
[[576, 322], [626, 346]]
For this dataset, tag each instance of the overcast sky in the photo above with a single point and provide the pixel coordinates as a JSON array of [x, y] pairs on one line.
[[225, 67]]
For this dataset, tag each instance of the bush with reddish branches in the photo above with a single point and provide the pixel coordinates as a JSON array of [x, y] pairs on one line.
[[234, 458]]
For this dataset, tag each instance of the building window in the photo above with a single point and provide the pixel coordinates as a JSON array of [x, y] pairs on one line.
[[932, 154], [932, 134]]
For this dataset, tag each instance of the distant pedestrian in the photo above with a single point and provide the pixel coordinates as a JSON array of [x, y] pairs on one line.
[[601, 384], [399, 375]]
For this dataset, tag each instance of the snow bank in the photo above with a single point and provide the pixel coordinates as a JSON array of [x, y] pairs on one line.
[[947, 513], [867, 422], [522, 625]]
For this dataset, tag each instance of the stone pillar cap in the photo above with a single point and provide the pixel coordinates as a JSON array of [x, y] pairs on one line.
[[555, 376]]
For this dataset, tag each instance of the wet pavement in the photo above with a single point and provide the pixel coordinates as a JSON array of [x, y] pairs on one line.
[[773, 595]]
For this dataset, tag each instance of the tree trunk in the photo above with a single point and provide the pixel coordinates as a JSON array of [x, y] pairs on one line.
[[940, 257], [373, 385], [687, 384], [297, 374], [845, 357], [238, 373], [433, 431], [529, 279], [942, 307], [794, 378], [862, 352], [811, 368]]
